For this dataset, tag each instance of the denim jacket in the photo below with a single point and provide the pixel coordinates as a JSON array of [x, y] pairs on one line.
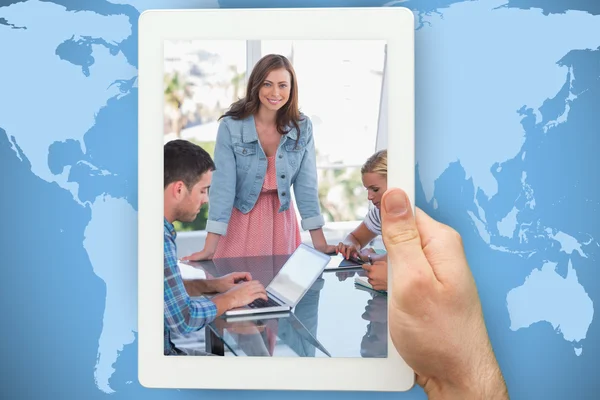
[[241, 165]]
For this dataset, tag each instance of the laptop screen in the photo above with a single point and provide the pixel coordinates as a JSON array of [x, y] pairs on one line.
[[298, 274]]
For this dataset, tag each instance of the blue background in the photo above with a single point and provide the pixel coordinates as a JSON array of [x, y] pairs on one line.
[[507, 134]]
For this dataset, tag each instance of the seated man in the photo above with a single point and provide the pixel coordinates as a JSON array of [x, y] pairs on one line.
[[187, 177]]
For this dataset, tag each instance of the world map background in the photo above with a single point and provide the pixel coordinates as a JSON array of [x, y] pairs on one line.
[[507, 95]]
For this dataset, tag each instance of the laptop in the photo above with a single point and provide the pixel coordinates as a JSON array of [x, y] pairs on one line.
[[256, 317], [296, 335], [290, 284]]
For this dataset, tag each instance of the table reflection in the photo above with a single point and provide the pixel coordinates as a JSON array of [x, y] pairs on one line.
[[334, 318], [374, 342]]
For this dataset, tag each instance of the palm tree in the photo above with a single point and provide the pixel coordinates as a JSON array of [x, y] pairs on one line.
[[177, 90], [347, 183], [237, 80]]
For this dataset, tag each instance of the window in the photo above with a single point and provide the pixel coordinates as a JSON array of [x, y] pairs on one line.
[[201, 80], [340, 85]]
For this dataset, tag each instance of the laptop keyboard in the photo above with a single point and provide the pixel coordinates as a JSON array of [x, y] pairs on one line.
[[260, 303]]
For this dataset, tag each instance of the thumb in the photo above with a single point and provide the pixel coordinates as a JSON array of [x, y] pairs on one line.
[[401, 238]]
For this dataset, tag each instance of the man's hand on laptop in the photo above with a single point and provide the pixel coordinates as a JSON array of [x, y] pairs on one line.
[[226, 282], [435, 316], [240, 295]]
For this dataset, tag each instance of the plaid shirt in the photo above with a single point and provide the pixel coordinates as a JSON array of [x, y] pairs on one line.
[[182, 314]]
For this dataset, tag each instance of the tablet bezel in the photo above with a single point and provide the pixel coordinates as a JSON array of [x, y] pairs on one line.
[[395, 25]]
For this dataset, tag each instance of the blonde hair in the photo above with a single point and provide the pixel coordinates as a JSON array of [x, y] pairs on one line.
[[377, 163]]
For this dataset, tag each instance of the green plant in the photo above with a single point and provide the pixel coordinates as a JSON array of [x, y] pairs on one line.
[[199, 224]]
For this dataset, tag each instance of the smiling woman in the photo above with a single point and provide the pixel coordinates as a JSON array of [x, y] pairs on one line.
[[264, 147], [275, 91]]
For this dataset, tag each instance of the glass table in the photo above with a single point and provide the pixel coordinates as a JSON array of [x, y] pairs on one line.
[[335, 318]]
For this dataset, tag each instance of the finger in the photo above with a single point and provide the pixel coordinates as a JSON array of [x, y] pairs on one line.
[[343, 250], [428, 227], [262, 296], [442, 247], [245, 276], [401, 238], [421, 380], [367, 267], [259, 287], [348, 252]]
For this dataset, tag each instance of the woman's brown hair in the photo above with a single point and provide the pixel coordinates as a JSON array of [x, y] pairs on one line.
[[249, 105]]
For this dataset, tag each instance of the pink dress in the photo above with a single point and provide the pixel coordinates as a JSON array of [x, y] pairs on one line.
[[263, 231]]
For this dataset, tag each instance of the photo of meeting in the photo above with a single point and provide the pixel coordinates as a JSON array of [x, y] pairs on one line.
[[275, 164]]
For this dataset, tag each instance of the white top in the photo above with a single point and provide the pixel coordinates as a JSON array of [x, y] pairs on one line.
[[373, 221]]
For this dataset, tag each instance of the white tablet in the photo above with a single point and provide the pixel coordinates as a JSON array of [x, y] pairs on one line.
[[355, 74]]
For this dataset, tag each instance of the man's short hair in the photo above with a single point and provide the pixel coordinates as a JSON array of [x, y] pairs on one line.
[[185, 161]]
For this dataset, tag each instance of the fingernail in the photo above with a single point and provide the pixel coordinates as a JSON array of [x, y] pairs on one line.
[[396, 203]]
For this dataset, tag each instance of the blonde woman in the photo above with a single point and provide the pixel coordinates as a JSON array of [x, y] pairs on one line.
[[374, 178]]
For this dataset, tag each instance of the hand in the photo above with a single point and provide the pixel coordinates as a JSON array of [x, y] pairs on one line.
[[377, 274], [199, 256], [364, 253], [226, 282], [343, 275], [319, 242], [436, 321], [241, 295], [326, 248], [347, 250], [376, 309]]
